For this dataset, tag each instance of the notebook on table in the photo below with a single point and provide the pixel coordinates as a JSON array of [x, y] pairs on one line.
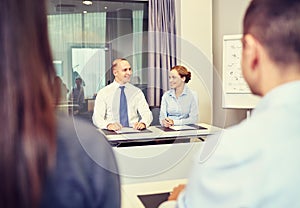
[[182, 128]]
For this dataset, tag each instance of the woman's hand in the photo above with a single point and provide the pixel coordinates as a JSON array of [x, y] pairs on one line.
[[167, 122]]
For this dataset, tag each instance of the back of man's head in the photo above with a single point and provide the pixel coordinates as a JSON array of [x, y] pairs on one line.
[[276, 25]]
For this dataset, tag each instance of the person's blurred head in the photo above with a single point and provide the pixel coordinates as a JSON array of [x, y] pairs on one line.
[[78, 82], [27, 149], [121, 70], [178, 76], [271, 39]]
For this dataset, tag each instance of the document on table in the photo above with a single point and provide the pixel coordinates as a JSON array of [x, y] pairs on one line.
[[184, 127], [128, 130]]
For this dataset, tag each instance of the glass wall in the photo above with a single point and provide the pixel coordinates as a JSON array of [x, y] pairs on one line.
[[85, 39]]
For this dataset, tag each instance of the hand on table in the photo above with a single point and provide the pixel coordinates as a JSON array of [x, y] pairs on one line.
[[139, 125], [176, 191], [167, 122], [114, 126]]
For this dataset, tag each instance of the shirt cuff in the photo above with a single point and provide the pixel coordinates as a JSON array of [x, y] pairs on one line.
[[168, 204], [147, 124], [177, 122]]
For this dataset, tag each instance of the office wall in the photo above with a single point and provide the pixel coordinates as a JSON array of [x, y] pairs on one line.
[[227, 20], [195, 31], [202, 23]]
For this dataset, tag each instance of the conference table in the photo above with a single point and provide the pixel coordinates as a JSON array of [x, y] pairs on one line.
[[158, 135], [155, 156]]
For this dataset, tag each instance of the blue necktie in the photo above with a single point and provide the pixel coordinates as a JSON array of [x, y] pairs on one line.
[[123, 108]]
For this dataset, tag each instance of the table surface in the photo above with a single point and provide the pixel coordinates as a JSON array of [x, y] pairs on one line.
[[157, 132], [130, 192]]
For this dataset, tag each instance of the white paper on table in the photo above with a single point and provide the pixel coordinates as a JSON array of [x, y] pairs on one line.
[[128, 130], [184, 127]]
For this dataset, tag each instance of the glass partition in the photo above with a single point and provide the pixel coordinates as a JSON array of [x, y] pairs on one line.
[[85, 39]]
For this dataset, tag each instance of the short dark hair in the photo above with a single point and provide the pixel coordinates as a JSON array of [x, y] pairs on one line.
[[116, 61], [276, 25], [79, 78]]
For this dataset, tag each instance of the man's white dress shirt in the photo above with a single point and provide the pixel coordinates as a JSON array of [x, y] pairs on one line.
[[106, 109]]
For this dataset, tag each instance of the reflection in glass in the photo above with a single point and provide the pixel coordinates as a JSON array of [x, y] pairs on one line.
[[86, 43]]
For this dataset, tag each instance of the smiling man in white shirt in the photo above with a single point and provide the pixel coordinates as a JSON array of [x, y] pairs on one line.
[[107, 104]]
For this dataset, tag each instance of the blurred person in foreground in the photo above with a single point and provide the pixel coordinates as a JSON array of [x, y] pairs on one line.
[[255, 163], [45, 160]]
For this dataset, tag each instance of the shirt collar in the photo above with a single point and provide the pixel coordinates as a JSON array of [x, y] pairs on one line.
[[184, 92], [280, 95], [116, 84]]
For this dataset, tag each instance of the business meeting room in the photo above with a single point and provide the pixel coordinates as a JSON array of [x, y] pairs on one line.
[[162, 104], [87, 36]]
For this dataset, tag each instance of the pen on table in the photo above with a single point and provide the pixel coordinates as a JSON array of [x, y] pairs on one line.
[[169, 121]]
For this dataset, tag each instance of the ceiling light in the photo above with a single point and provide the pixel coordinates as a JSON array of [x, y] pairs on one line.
[[87, 2]]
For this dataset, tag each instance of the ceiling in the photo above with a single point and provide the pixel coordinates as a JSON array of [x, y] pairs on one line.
[[76, 6]]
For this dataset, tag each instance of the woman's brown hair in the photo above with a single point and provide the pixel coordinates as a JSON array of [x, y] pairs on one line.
[[183, 72], [27, 149]]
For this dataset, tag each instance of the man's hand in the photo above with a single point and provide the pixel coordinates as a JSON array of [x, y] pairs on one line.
[[114, 126], [139, 125], [176, 191]]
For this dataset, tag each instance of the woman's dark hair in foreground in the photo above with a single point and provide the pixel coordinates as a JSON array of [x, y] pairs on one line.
[[28, 146]]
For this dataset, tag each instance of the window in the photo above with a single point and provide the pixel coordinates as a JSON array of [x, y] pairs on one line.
[[85, 39]]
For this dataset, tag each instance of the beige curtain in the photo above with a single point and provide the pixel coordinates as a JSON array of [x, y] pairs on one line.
[[161, 47]]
